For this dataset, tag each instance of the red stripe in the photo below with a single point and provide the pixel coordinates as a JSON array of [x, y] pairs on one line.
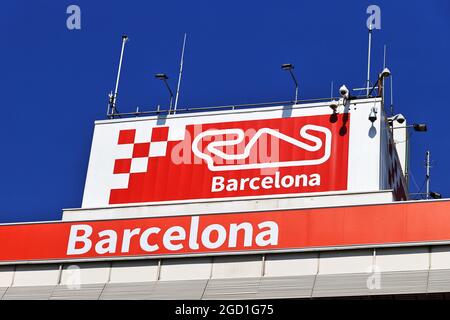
[[298, 229]]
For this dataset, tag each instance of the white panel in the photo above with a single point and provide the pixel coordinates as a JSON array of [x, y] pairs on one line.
[[364, 142], [104, 151], [384, 155], [36, 275], [186, 269], [74, 275], [6, 276], [440, 257], [177, 132], [352, 261], [402, 259], [277, 202], [400, 140], [134, 271], [291, 264], [237, 267]]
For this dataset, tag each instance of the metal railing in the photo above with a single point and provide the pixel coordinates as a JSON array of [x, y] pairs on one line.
[[160, 111]]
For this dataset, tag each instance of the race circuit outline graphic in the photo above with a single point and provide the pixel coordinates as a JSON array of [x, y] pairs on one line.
[[212, 148]]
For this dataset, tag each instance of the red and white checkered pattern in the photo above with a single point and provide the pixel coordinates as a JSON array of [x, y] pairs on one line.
[[145, 144]]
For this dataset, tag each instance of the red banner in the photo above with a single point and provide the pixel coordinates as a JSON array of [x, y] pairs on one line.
[[242, 232], [231, 159]]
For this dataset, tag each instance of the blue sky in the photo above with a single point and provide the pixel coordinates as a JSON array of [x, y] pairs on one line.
[[54, 81]]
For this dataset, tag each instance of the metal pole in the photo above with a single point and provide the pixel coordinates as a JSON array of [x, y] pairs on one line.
[[407, 160], [384, 66], [296, 93], [114, 99], [296, 85], [427, 163], [179, 76], [171, 95], [392, 95], [331, 93], [368, 59]]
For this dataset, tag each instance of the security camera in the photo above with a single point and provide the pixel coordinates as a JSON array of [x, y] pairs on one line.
[[373, 115], [386, 73], [398, 117], [401, 120], [344, 92], [334, 105]]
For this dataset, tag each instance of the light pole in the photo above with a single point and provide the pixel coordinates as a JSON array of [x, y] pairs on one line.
[[289, 67], [164, 77], [419, 127]]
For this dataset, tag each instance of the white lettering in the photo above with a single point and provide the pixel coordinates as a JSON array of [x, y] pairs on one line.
[[268, 237], [174, 234], [248, 234], [107, 245], [144, 239], [217, 184], [243, 181], [199, 236], [277, 181], [315, 180], [232, 185], [127, 235], [74, 238], [303, 178], [252, 183], [267, 182], [193, 234], [287, 181], [221, 236]]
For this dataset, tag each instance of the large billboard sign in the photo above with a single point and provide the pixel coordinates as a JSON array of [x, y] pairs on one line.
[[223, 155], [237, 233]]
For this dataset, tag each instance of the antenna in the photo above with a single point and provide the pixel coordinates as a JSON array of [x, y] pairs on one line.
[[368, 58], [392, 95], [113, 97], [427, 176], [430, 194], [384, 66], [179, 76]]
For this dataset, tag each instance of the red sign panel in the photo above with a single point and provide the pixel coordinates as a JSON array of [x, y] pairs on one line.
[[233, 159], [228, 233]]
